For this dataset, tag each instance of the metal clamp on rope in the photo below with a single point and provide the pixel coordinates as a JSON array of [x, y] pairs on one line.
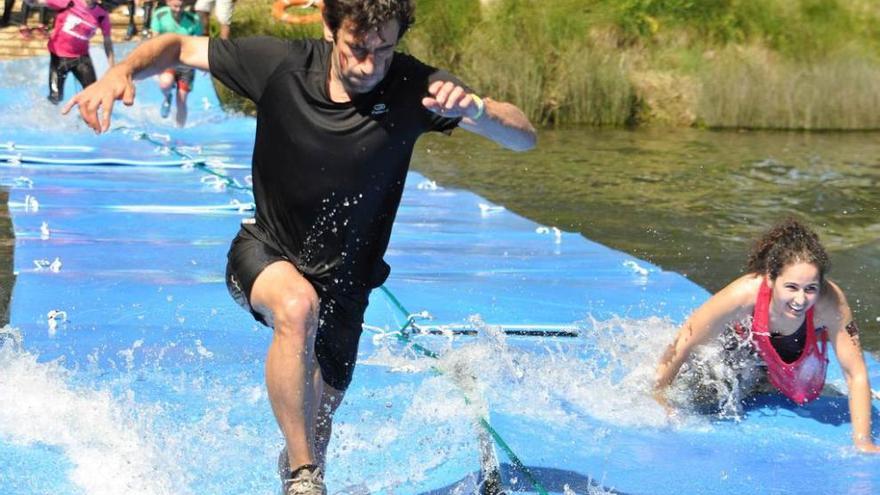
[[411, 322]]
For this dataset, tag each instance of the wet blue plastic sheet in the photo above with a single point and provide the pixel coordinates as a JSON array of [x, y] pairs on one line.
[[137, 373]]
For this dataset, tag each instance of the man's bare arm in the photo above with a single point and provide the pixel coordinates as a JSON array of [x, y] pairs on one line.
[[501, 122]]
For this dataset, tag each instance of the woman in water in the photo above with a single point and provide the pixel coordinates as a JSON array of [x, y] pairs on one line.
[[787, 312]]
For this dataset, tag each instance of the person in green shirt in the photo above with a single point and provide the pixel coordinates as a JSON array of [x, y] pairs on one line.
[[173, 19]]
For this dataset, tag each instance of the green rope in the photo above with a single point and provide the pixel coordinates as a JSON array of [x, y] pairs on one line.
[[200, 164], [403, 336], [230, 182]]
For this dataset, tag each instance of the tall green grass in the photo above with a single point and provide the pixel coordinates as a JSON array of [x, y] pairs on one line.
[[798, 29], [537, 54], [749, 88], [798, 64]]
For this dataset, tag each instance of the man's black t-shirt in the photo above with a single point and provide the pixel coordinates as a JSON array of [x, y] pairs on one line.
[[327, 176]]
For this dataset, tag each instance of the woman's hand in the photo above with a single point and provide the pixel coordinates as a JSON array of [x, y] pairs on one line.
[[660, 396]]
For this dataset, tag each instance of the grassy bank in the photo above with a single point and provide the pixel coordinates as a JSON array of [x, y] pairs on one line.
[[794, 64]]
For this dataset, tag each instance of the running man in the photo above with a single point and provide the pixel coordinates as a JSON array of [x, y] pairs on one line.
[[783, 313], [76, 23], [173, 19], [336, 124]]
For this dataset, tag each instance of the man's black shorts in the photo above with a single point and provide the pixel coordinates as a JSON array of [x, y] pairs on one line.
[[341, 315]]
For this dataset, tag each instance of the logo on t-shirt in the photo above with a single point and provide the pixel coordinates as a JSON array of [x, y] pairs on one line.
[[78, 27], [379, 109]]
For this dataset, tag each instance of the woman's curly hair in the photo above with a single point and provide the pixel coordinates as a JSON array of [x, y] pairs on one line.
[[368, 15], [787, 242]]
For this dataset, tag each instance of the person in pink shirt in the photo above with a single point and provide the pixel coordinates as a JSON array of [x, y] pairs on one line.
[[76, 23]]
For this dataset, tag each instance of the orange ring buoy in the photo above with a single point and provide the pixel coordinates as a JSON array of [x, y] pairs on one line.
[[279, 11]]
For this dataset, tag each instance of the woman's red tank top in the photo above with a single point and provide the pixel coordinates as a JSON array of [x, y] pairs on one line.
[[801, 380]]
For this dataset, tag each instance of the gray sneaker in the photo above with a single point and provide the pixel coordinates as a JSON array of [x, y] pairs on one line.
[[304, 480]]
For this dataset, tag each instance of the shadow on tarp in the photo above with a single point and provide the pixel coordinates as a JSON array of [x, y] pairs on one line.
[[828, 409], [515, 481]]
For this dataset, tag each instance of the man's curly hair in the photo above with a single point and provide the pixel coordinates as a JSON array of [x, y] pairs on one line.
[[368, 15], [787, 242]]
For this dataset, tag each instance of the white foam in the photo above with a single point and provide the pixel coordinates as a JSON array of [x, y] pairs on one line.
[[101, 435], [432, 415], [607, 373]]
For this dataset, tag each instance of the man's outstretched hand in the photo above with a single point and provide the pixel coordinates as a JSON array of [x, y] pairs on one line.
[[450, 100], [117, 84]]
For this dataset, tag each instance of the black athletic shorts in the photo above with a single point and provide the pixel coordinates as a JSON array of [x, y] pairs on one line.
[[341, 316], [184, 77]]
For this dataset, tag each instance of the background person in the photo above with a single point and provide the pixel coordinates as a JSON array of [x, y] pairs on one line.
[[76, 23], [173, 19], [337, 121], [149, 7], [223, 10], [6, 18], [786, 311], [131, 30], [42, 28]]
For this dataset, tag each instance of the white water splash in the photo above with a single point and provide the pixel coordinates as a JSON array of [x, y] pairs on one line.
[[431, 414], [557, 234], [23, 182], [636, 268], [486, 209], [202, 350], [53, 318], [606, 373], [31, 204], [428, 185], [96, 432], [44, 264]]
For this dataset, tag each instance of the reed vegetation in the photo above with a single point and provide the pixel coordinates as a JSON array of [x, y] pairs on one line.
[[793, 64], [750, 88]]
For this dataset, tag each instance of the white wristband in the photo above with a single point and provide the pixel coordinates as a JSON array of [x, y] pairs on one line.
[[481, 106]]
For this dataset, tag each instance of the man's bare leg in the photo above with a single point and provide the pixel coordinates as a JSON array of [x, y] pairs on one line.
[[290, 305], [180, 115], [323, 414]]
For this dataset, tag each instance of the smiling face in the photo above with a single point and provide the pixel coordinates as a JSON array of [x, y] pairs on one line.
[[795, 290], [361, 60]]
